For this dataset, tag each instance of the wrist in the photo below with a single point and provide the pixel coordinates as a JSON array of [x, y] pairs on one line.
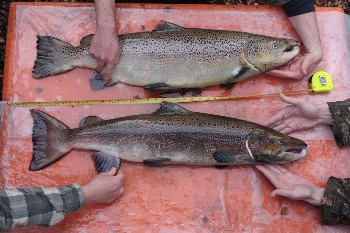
[[316, 196], [87, 195], [324, 114], [106, 28]]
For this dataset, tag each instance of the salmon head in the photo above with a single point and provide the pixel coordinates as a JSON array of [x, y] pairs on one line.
[[270, 146], [265, 53]]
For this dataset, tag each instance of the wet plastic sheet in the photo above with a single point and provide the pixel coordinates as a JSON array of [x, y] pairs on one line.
[[174, 198]]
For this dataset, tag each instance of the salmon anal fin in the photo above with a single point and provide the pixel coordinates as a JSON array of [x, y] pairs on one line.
[[104, 162]]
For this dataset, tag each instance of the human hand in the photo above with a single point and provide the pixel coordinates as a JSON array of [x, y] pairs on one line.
[[105, 47], [291, 185], [299, 66], [300, 115], [104, 187]]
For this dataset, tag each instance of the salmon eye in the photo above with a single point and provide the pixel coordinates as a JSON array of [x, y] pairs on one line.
[[280, 141], [274, 45]]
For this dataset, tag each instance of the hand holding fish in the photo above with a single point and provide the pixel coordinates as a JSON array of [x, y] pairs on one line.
[[300, 115], [105, 46], [303, 65], [299, 67], [291, 185], [104, 187]]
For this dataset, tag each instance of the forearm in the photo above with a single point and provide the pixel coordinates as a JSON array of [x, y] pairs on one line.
[[38, 206], [105, 15], [307, 29]]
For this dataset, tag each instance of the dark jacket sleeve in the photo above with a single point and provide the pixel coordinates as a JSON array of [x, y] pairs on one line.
[[336, 202], [341, 121], [296, 7]]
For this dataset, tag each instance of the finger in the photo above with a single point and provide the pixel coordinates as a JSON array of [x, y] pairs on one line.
[[112, 172], [287, 130], [275, 119], [281, 192], [285, 73], [291, 100], [120, 175], [100, 65], [270, 174], [121, 191], [109, 70], [279, 168], [274, 168], [308, 65], [280, 127], [276, 123], [282, 169]]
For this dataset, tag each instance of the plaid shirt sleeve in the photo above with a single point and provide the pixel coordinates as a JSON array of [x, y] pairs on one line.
[[38, 206]]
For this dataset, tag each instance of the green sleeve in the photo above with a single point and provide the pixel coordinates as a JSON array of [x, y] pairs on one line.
[[335, 202], [341, 121]]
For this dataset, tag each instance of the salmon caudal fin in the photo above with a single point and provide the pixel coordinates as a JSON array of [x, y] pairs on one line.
[[49, 140], [54, 56]]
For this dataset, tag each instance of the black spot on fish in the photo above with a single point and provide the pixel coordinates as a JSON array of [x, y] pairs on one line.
[[142, 5], [143, 27], [39, 90], [137, 97]]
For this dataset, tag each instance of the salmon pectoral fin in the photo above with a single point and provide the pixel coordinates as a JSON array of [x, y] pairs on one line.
[[230, 156], [228, 86], [96, 83], [161, 162], [104, 162], [232, 81]]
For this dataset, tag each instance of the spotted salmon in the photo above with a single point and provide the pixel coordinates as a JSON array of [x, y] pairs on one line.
[[172, 57], [170, 135]]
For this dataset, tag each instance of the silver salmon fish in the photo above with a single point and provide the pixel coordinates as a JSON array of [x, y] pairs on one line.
[[170, 135], [172, 57]]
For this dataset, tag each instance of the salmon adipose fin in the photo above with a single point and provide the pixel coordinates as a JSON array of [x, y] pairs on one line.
[[49, 140], [104, 162], [54, 57]]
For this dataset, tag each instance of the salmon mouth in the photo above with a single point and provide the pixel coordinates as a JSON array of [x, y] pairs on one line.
[[294, 151], [299, 151], [290, 48]]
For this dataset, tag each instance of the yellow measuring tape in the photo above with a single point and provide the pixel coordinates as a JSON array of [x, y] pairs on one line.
[[147, 100], [320, 82]]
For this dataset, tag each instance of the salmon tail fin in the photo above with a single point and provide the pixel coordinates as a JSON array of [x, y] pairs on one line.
[[49, 140], [54, 56]]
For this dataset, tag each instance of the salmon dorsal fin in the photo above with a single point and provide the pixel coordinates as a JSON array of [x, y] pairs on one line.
[[86, 40], [89, 120], [166, 26], [170, 108]]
